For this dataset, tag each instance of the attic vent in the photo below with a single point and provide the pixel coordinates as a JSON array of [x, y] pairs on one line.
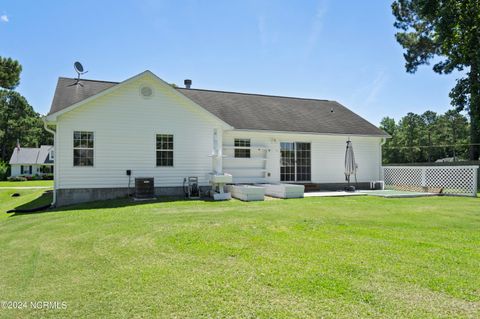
[[146, 91]]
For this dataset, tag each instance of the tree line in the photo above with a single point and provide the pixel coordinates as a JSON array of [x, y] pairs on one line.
[[426, 137], [18, 120], [448, 33]]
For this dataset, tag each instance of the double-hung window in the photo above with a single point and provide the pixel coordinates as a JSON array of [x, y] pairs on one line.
[[83, 146], [242, 148], [164, 150], [26, 169]]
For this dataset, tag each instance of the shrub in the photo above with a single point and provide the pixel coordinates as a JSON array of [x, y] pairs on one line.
[[4, 168], [48, 177], [17, 178]]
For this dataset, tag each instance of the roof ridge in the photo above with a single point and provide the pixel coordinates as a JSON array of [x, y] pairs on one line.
[[259, 94], [38, 154], [90, 80], [218, 91]]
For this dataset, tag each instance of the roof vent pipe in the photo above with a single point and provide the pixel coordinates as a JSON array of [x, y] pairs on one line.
[[188, 83]]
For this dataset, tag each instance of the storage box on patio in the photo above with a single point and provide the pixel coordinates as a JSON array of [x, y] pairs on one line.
[[283, 190], [247, 192]]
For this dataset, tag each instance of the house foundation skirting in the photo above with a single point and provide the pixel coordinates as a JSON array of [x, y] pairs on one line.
[[69, 196], [81, 195], [331, 187]]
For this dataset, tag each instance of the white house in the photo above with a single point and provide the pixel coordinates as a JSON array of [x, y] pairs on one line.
[[32, 161], [143, 124]]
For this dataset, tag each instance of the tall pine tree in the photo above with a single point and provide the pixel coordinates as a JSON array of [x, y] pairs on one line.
[[448, 30]]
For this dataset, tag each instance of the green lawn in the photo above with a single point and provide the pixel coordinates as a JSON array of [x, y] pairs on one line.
[[303, 258], [26, 184]]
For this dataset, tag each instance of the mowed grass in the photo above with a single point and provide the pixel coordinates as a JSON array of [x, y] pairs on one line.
[[301, 258], [41, 183]]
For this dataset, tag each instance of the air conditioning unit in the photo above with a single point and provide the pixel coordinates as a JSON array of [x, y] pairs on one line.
[[191, 188], [144, 187]]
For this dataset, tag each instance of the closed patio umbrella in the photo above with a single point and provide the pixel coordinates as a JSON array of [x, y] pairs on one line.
[[350, 165]]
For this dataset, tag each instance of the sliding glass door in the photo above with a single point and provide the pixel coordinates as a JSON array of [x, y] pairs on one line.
[[295, 162]]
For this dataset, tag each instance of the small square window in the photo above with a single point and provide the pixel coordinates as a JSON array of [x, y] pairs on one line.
[[242, 148]]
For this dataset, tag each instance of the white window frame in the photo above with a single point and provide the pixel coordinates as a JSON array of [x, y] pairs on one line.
[[165, 150], [235, 147], [83, 148]]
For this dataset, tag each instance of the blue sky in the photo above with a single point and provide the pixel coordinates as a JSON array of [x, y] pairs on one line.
[[337, 50]]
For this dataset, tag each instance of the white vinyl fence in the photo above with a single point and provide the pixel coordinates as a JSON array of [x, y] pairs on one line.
[[449, 180]]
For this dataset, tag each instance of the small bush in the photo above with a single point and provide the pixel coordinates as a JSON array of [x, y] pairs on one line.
[[47, 177], [3, 170], [17, 179]]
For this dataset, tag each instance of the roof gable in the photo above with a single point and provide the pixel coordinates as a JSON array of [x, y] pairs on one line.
[[26, 155], [68, 97]]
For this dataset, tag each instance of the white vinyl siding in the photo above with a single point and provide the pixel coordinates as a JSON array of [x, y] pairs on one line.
[[125, 127], [327, 156], [16, 169]]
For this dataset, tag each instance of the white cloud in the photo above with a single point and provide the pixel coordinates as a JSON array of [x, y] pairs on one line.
[[370, 85], [375, 87], [266, 35], [4, 18], [316, 27], [262, 30]]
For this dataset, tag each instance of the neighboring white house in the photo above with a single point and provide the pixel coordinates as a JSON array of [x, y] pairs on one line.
[[32, 161], [143, 124]]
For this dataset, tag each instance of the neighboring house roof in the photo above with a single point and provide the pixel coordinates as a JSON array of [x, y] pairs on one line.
[[25, 155], [449, 159], [245, 111]]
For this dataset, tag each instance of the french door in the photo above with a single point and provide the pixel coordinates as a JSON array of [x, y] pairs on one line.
[[295, 162]]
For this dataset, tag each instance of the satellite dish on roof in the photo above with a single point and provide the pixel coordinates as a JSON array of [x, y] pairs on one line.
[[79, 69]]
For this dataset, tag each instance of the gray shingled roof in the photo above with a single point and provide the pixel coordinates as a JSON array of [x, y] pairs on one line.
[[67, 93], [279, 113], [26, 155], [246, 111]]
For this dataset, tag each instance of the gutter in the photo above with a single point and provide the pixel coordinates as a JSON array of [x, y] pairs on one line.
[[306, 133], [49, 130]]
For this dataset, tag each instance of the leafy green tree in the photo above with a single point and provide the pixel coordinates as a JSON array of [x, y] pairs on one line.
[[9, 73], [19, 121], [426, 137], [447, 30], [409, 133], [390, 151], [453, 131], [430, 119], [4, 170]]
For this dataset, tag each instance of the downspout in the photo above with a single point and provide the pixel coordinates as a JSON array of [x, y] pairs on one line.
[[49, 130], [382, 142]]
